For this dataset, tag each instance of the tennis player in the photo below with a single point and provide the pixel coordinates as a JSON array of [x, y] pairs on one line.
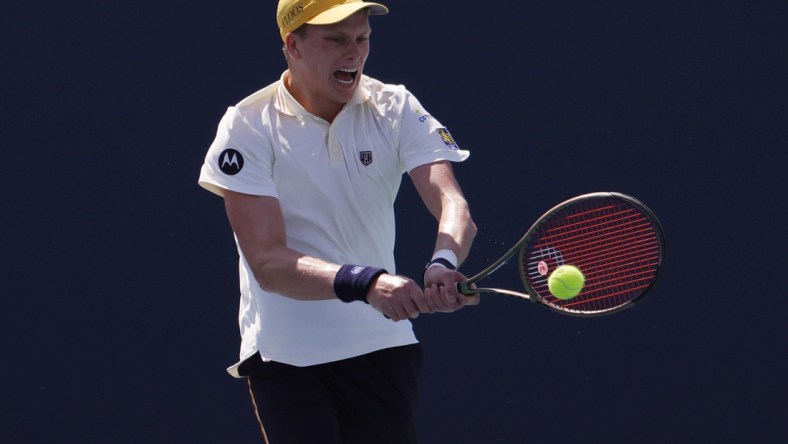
[[309, 168]]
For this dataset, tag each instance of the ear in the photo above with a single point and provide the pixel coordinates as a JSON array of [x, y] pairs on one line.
[[292, 46]]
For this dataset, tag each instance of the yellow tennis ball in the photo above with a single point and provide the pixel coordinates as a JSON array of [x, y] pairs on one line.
[[566, 282]]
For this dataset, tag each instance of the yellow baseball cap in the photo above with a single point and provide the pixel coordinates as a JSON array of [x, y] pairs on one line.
[[291, 14]]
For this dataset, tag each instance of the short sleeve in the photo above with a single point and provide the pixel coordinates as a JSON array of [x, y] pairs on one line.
[[422, 138], [240, 159]]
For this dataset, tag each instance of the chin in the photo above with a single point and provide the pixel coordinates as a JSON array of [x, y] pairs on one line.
[[344, 95]]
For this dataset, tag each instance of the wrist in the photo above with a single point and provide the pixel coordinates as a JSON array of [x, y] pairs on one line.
[[442, 258], [352, 282], [445, 258]]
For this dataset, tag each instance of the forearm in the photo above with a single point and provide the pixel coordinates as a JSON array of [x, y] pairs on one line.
[[286, 272], [455, 233], [292, 274], [456, 229], [442, 195]]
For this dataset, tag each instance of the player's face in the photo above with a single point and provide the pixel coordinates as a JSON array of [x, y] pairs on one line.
[[331, 60]]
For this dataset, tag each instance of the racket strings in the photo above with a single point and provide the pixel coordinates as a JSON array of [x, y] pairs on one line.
[[607, 252], [615, 245]]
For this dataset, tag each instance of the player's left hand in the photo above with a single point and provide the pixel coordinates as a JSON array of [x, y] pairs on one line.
[[440, 290]]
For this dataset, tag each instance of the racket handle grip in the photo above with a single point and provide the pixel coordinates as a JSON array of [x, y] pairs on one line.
[[464, 288]]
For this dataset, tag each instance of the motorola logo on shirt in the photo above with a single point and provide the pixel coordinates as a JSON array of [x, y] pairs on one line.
[[231, 162]]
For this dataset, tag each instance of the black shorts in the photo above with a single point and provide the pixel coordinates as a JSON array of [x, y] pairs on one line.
[[368, 399]]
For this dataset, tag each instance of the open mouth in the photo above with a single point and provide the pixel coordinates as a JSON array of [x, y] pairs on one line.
[[346, 75]]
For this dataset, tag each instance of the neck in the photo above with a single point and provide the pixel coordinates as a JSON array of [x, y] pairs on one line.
[[317, 106]]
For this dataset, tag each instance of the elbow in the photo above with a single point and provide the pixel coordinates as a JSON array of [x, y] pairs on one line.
[[263, 278], [263, 269], [472, 230], [266, 284]]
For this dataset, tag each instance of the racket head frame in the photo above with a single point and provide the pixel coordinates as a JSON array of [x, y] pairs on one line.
[[536, 293]]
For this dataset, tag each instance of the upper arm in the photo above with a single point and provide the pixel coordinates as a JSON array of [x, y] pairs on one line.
[[257, 222], [441, 194], [437, 186]]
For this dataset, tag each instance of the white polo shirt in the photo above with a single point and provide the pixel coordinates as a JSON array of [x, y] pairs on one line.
[[336, 184]]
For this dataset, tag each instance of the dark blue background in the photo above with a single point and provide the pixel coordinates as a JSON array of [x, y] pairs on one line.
[[119, 285]]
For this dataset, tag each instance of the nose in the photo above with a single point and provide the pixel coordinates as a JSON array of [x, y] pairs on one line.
[[356, 49]]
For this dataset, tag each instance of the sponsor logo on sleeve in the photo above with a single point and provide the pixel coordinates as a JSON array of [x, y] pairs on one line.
[[422, 117], [448, 140], [231, 162]]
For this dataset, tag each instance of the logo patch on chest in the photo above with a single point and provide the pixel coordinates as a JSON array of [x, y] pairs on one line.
[[365, 157]]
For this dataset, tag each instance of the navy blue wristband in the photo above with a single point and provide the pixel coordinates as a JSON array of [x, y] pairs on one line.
[[352, 282]]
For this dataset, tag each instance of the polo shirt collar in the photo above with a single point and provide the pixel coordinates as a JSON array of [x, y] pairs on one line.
[[285, 103]]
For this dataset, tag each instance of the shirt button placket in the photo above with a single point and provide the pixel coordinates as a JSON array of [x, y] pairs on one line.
[[334, 150]]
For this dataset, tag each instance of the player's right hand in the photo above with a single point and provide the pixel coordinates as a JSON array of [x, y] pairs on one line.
[[397, 297]]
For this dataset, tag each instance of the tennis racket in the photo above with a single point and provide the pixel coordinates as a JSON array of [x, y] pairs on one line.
[[614, 239]]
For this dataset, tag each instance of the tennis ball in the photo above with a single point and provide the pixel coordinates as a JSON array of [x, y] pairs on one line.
[[566, 282]]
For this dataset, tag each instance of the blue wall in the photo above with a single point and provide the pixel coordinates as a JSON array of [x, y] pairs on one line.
[[119, 286]]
